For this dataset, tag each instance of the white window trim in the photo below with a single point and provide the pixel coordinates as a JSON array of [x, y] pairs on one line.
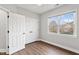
[[75, 24]]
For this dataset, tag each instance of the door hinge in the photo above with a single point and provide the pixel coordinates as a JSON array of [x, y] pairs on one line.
[[8, 31], [8, 46], [8, 16]]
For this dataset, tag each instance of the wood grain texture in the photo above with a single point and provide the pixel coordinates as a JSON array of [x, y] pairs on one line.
[[42, 48], [3, 53]]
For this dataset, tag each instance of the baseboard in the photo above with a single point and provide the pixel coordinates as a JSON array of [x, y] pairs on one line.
[[61, 46]]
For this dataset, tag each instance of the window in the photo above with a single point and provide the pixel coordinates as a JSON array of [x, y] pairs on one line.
[[62, 24], [53, 24]]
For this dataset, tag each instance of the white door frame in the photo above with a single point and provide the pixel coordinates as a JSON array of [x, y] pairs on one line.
[[7, 11]]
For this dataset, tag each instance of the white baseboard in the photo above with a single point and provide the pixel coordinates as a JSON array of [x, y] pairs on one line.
[[61, 46]]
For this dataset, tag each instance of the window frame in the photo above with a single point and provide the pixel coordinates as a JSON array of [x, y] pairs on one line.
[[75, 23]]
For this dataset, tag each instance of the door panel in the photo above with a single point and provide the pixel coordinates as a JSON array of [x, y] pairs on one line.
[[16, 36], [32, 29]]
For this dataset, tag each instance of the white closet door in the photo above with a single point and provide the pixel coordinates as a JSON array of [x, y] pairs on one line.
[[3, 29], [17, 32], [32, 29]]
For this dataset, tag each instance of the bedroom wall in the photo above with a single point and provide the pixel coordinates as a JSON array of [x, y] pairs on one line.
[[68, 42]]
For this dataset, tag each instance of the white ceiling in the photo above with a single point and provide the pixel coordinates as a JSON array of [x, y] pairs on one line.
[[39, 9], [34, 7]]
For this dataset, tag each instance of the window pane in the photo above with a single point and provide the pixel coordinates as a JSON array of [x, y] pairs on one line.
[[67, 23], [53, 27]]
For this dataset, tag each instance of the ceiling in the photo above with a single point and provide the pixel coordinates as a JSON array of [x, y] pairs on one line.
[[35, 7], [39, 8]]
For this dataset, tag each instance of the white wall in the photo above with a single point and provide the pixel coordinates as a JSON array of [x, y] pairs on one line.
[[68, 42]]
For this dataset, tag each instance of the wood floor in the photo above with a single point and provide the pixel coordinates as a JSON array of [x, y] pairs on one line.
[[42, 48], [3, 53]]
